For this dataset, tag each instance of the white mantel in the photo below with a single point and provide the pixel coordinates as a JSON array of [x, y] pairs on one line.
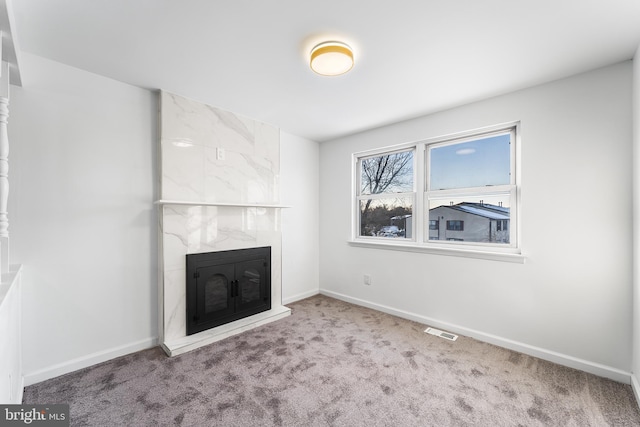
[[243, 205], [219, 177]]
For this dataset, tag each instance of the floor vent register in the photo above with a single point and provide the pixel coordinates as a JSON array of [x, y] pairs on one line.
[[441, 334]]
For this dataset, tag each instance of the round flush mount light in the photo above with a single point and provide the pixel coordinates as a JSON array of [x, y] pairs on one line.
[[331, 58]]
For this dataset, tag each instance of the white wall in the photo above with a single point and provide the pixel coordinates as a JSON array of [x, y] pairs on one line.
[[82, 220], [11, 378], [81, 216], [571, 300], [635, 368], [299, 186]]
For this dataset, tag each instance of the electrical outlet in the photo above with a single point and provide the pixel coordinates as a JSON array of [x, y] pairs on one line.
[[220, 154], [367, 279]]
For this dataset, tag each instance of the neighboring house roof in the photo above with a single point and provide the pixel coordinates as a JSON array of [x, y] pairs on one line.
[[401, 217], [484, 210]]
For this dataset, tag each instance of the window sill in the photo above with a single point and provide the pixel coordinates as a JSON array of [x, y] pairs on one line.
[[465, 253]]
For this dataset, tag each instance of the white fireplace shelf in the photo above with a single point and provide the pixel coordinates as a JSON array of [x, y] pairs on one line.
[[235, 205]]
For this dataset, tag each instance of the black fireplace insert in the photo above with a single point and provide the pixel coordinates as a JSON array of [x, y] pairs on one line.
[[226, 286]]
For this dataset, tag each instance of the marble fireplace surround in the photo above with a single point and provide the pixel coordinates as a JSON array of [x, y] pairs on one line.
[[219, 190]]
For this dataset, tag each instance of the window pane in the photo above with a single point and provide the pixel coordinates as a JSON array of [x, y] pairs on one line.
[[390, 173], [455, 225], [476, 163], [387, 218], [482, 219]]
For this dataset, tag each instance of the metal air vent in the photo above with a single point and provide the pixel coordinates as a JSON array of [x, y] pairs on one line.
[[441, 334]]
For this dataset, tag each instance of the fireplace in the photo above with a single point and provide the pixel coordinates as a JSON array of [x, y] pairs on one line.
[[211, 202], [226, 286]]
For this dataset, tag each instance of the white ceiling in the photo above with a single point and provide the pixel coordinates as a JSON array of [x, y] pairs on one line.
[[413, 57]]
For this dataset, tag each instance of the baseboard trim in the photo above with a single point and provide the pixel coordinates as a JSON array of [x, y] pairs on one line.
[[20, 394], [86, 361], [551, 356], [299, 297], [635, 385]]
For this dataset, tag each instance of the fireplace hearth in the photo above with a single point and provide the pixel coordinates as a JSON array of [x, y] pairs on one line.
[[226, 286]]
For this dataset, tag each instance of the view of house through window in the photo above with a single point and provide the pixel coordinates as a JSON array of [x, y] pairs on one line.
[[469, 188], [466, 195], [482, 219]]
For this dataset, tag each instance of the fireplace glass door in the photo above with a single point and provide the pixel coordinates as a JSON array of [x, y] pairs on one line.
[[226, 286], [214, 287], [251, 284]]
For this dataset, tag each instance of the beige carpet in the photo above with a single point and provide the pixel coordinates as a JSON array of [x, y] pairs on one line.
[[336, 364]]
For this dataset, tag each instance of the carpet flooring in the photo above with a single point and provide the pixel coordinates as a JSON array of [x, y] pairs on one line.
[[336, 364]]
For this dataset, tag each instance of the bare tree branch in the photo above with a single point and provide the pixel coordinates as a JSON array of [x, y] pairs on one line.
[[390, 173]]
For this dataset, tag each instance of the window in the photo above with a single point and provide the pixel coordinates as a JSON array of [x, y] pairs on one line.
[[455, 225], [470, 180], [386, 195], [466, 182]]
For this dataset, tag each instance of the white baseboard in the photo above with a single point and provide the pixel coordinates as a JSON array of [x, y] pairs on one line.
[[86, 361], [299, 297], [551, 356], [18, 399], [635, 385]]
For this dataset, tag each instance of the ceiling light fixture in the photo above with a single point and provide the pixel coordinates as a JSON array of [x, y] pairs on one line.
[[331, 58]]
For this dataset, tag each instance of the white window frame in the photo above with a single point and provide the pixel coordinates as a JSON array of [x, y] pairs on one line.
[[419, 242]]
